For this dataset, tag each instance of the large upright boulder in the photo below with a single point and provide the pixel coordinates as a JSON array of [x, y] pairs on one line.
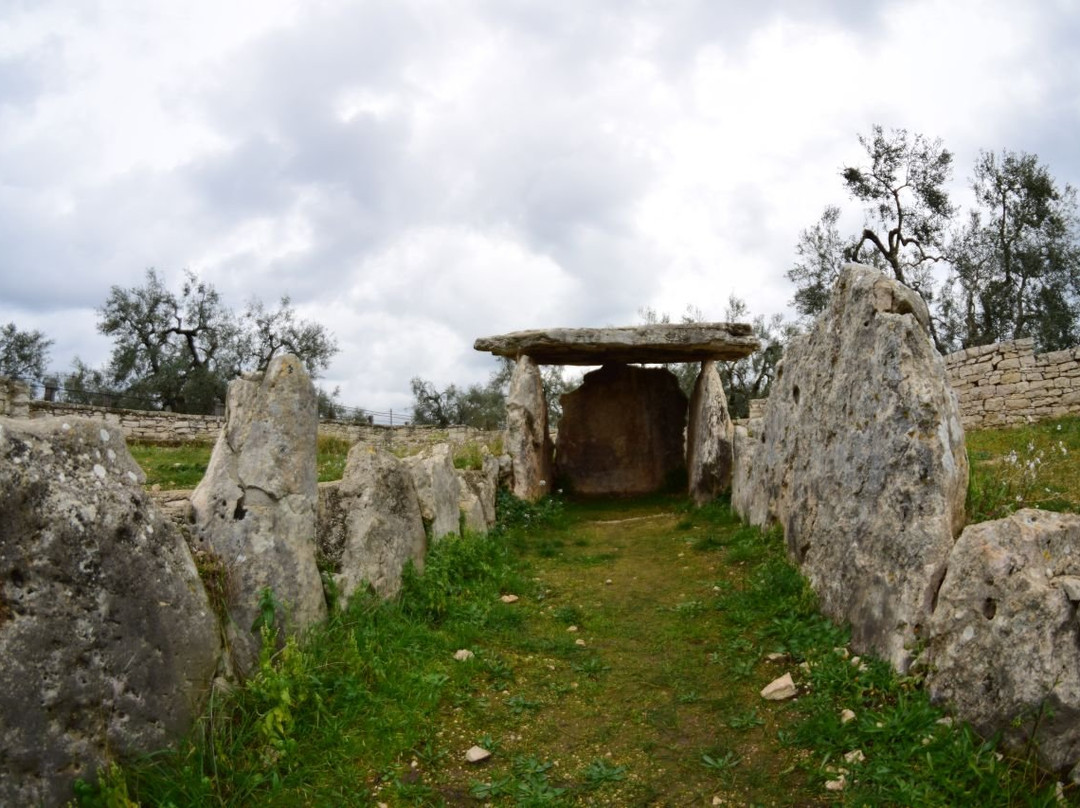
[[709, 437], [437, 488], [370, 525], [477, 503], [1004, 647], [622, 432], [527, 439], [861, 459], [108, 644], [255, 507]]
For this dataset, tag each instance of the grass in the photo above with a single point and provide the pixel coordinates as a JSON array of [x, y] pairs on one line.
[[626, 674], [629, 681], [172, 467], [1033, 466], [182, 466]]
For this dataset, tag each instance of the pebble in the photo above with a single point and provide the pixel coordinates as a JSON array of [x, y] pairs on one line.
[[780, 689], [477, 754], [463, 655], [846, 716], [509, 598], [572, 629]]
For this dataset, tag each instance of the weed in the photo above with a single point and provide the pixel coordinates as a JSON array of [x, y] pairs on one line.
[[569, 615], [217, 581], [593, 668], [601, 772], [519, 705], [720, 761], [746, 720]]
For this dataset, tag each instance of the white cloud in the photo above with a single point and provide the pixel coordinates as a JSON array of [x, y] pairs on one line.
[[417, 174]]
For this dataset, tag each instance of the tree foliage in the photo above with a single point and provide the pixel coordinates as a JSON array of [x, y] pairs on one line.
[[821, 251], [484, 405], [23, 354], [747, 378], [752, 376], [1016, 262], [908, 209], [179, 351], [1013, 262]]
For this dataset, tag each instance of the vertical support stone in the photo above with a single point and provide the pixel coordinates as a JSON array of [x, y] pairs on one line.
[[255, 507], [527, 440], [709, 437]]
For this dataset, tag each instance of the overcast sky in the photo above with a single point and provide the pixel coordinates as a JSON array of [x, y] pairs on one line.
[[419, 173]]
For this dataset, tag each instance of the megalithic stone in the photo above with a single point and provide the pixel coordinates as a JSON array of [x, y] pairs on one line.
[[256, 505], [527, 439], [709, 437]]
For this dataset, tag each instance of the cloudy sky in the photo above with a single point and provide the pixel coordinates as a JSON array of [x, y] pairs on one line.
[[418, 173]]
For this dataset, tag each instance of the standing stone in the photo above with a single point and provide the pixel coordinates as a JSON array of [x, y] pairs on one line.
[[622, 432], [527, 440], [709, 437], [862, 461], [436, 483], [478, 487], [370, 525], [1004, 644], [108, 644], [255, 507]]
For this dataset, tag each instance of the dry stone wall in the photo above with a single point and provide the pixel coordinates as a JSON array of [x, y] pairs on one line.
[[1008, 383], [14, 398], [155, 426]]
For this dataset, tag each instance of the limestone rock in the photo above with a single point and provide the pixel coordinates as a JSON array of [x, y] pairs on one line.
[[478, 488], [657, 343], [437, 489], [709, 437], [748, 499], [472, 512], [477, 754], [255, 507], [1004, 644], [780, 689], [527, 440], [861, 459], [370, 524], [108, 645], [622, 432]]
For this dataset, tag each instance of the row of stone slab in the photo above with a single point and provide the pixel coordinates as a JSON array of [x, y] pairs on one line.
[[860, 458], [108, 642]]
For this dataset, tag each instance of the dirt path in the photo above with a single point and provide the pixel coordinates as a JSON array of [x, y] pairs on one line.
[[624, 686]]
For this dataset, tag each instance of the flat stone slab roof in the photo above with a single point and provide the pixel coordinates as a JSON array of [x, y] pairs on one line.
[[668, 342]]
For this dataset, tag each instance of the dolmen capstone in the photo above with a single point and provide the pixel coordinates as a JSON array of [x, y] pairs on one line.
[[108, 643], [860, 458], [255, 507], [622, 431]]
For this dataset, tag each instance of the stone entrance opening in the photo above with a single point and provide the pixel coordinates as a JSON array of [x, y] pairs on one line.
[[622, 431]]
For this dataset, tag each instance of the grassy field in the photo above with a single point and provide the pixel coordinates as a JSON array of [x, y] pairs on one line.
[[182, 466], [624, 671]]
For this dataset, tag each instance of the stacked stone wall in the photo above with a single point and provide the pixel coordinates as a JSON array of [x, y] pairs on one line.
[[154, 426], [14, 398], [139, 425], [1008, 383]]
